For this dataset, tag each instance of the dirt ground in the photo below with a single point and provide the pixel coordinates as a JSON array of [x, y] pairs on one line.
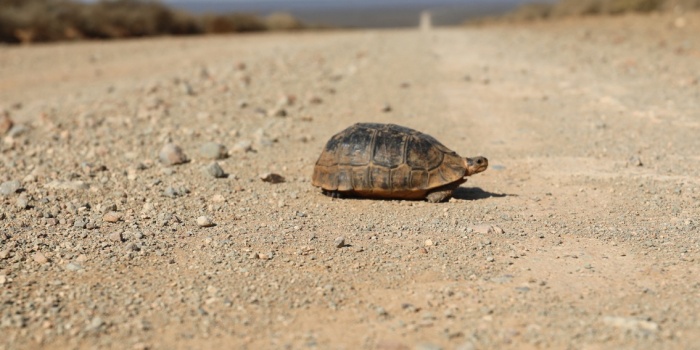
[[584, 233]]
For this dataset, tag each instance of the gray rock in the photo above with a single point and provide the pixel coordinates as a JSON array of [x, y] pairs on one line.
[[339, 242], [213, 150], [80, 223], [22, 201], [73, 267], [243, 146], [17, 130], [214, 170], [116, 236], [9, 187], [204, 221], [172, 154], [272, 178]]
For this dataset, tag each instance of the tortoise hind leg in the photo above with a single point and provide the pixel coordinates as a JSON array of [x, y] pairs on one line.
[[441, 194], [333, 194]]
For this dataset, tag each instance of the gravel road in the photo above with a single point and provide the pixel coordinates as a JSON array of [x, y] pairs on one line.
[[155, 193]]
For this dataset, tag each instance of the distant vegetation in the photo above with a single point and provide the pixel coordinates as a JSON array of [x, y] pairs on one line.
[[564, 8], [26, 21]]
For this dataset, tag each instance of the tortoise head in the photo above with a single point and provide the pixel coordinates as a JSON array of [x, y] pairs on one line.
[[475, 165]]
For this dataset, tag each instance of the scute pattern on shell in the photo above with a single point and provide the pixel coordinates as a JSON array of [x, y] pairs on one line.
[[385, 158]]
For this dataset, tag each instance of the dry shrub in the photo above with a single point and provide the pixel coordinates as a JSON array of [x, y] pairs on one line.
[[609, 7], [134, 18], [530, 12], [282, 21], [232, 23]]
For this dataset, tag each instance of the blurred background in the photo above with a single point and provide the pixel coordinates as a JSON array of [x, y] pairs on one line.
[[30, 21]]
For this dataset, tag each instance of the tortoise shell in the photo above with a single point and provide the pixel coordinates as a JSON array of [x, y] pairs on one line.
[[387, 161]]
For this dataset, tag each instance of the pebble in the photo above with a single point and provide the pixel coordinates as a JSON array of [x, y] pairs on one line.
[[243, 146], [214, 170], [173, 192], [339, 242], [213, 150], [204, 221], [635, 161], [6, 124], [116, 236], [631, 324], [112, 216], [22, 201], [4, 254], [9, 187], [272, 178], [486, 229], [40, 258], [73, 267], [386, 108], [172, 154], [80, 223], [277, 112], [67, 185], [428, 242]]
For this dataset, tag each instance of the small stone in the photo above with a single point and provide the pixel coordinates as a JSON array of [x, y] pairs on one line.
[[80, 223], [214, 170], [314, 100], [22, 201], [204, 221], [95, 325], [107, 207], [112, 216], [9, 187], [386, 108], [428, 242], [67, 185], [632, 324], [483, 229], [277, 112], [4, 254], [339, 242], [6, 123], [17, 130], [40, 258], [116, 236], [272, 178], [3, 280], [422, 250], [187, 88], [243, 146], [217, 198], [213, 150], [172, 154], [635, 161], [73, 267], [490, 259], [497, 230]]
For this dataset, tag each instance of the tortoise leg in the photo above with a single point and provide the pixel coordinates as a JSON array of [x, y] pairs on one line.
[[439, 195], [332, 194]]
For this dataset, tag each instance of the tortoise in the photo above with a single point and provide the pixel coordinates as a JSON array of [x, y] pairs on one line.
[[373, 160]]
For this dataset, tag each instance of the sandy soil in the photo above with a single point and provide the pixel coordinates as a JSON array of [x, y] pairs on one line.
[[583, 234]]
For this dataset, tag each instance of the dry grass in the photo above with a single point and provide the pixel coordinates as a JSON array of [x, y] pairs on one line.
[[564, 8], [26, 21]]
